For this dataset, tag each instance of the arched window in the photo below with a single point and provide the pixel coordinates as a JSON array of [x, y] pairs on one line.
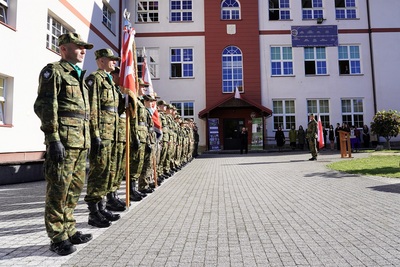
[[232, 69], [230, 10]]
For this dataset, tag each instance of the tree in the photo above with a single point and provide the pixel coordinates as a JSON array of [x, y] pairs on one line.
[[386, 124]]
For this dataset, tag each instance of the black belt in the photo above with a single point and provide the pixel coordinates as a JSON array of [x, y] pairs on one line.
[[108, 108], [71, 114]]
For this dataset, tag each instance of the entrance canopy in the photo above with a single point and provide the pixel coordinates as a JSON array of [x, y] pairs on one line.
[[238, 103]]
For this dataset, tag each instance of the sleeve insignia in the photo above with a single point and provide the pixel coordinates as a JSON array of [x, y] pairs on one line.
[[47, 73], [90, 82]]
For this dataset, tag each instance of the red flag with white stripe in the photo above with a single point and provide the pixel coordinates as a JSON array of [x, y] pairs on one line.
[[146, 76], [321, 142], [127, 73]]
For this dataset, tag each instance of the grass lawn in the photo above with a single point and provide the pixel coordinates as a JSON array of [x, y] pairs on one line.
[[385, 164]]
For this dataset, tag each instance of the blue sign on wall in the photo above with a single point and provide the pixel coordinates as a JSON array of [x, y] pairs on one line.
[[320, 35]]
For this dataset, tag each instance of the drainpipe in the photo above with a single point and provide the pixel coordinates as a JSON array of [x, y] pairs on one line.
[[371, 51]]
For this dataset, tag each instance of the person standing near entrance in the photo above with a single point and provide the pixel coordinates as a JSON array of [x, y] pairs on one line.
[[244, 140], [312, 134], [62, 105]]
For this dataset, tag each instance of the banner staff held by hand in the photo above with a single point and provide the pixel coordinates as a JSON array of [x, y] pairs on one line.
[[129, 82]]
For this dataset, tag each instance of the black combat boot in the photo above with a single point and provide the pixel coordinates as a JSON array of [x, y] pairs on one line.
[[113, 203], [107, 214], [96, 219], [134, 194]]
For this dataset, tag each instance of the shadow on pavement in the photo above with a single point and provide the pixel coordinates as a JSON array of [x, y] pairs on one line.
[[390, 188]]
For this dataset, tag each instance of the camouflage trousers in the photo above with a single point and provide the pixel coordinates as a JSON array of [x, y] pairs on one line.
[[149, 164], [65, 181], [163, 166], [313, 147], [136, 165], [120, 161], [102, 172]]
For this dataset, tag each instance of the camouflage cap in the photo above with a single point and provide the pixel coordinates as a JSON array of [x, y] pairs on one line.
[[141, 82], [108, 53], [161, 102], [73, 38], [148, 98], [170, 106]]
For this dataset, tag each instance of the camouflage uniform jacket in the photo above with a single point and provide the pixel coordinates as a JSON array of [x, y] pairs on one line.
[[312, 129], [62, 105], [165, 128], [104, 100]]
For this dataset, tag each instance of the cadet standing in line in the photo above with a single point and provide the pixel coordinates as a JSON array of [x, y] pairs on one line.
[[62, 105], [149, 155], [104, 100], [120, 160], [163, 163], [139, 134], [312, 131]]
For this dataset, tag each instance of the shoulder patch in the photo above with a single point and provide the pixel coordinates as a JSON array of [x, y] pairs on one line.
[[90, 82], [47, 73]]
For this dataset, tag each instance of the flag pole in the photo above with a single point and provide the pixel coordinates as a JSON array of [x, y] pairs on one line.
[[127, 129]]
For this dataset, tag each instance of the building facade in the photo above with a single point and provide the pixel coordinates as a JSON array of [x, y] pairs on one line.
[[200, 52]]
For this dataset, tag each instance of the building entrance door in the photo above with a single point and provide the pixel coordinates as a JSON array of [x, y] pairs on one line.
[[232, 128]]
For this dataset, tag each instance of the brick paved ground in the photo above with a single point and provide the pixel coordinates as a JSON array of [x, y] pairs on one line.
[[272, 209]]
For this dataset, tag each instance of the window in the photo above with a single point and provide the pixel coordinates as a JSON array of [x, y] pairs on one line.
[[3, 11], [54, 29], [2, 100], [108, 16], [232, 69], [181, 62], [279, 9], [312, 9], [353, 112], [181, 11], [147, 11], [315, 61], [345, 9], [230, 10], [152, 61], [184, 109], [349, 59], [281, 61], [284, 114], [319, 107]]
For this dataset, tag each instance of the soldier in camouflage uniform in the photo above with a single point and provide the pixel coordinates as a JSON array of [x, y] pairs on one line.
[[104, 100], [120, 159], [139, 137], [149, 161], [162, 169], [62, 105], [312, 131]]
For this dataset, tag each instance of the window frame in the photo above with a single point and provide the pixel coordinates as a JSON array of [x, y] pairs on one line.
[[4, 11], [320, 108], [283, 60], [347, 8], [283, 10], [181, 12], [320, 63], [108, 18], [353, 111], [3, 88], [229, 11], [349, 60], [182, 63], [153, 57], [52, 38], [284, 115], [150, 15], [316, 10], [232, 75], [187, 106]]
